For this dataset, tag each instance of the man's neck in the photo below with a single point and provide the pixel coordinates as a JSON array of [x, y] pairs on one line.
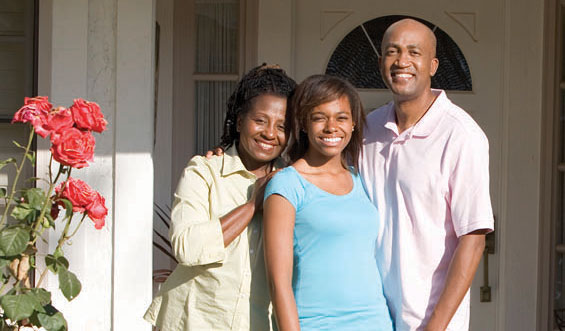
[[409, 112]]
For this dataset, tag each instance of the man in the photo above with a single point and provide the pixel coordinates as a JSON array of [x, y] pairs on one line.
[[425, 166]]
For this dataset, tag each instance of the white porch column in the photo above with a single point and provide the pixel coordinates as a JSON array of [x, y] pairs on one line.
[[133, 177], [102, 50]]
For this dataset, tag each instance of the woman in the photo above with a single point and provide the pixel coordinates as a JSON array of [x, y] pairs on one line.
[[219, 283], [319, 226]]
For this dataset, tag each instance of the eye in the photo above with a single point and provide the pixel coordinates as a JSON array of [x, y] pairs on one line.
[[391, 51], [280, 127], [343, 118], [317, 118], [259, 121]]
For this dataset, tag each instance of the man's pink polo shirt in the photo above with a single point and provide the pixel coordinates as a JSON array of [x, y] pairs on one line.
[[431, 186]]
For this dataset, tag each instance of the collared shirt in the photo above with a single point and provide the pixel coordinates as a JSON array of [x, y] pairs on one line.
[[213, 288], [431, 186]]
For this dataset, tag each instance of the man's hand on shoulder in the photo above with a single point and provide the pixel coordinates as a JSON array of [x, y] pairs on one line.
[[217, 151]]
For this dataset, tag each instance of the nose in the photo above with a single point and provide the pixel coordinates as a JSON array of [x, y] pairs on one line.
[[331, 125], [402, 60], [269, 131]]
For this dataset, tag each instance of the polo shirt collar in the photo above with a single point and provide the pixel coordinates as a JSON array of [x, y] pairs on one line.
[[432, 117], [232, 163], [427, 123], [390, 120]]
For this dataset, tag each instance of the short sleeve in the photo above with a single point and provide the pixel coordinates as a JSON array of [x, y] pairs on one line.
[[287, 184], [470, 203]]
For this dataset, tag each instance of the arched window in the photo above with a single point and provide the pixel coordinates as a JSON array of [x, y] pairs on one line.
[[355, 58]]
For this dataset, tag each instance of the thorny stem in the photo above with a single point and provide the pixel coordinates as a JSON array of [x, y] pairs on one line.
[[60, 243], [39, 220], [18, 172], [78, 226]]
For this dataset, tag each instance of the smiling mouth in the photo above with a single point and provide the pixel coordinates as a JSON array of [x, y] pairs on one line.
[[332, 141], [402, 75], [267, 147]]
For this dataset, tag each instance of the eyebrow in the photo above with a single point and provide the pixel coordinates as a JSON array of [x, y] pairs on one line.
[[398, 45]]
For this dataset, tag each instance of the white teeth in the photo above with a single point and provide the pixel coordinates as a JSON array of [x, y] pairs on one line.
[[266, 146], [403, 75], [332, 140]]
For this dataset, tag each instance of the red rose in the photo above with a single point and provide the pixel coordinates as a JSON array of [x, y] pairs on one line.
[[73, 147], [59, 119], [87, 115], [97, 211], [79, 193], [34, 111]]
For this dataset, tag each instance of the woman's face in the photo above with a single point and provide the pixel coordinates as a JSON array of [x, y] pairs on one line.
[[329, 127], [262, 135]]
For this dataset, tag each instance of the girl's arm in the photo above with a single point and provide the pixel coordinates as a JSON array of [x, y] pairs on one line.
[[278, 229]]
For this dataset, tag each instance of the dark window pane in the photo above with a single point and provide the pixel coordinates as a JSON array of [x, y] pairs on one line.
[[355, 60]]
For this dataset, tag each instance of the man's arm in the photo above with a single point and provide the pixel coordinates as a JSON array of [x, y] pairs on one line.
[[459, 278]]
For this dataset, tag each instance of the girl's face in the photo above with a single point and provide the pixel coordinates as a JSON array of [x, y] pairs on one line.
[[262, 135], [329, 127]]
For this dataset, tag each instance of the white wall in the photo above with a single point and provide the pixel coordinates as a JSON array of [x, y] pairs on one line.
[[519, 242], [102, 50], [162, 156]]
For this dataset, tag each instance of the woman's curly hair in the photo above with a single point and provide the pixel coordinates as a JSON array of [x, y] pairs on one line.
[[264, 79]]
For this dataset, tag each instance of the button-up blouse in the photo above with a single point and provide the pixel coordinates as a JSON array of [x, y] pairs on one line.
[[212, 287]]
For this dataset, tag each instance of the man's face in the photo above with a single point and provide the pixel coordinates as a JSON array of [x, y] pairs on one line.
[[408, 60]]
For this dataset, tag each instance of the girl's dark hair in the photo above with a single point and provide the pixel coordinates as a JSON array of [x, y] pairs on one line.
[[317, 90], [264, 79]]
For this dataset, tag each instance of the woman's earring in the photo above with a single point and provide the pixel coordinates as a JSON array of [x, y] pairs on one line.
[[353, 128]]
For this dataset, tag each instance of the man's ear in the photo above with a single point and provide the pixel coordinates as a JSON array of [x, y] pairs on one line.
[[434, 66]]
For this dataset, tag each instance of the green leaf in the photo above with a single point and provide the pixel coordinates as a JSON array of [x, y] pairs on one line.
[[13, 241], [58, 252], [55, 264], [6, 162], [68, 207], [50, 221], [3, 192], [42, 295], [4, 262], [18, 144], [69, 284], [52, 320], [51, 263], [35, 197], [18, 307], [31, 157], [21, 212]]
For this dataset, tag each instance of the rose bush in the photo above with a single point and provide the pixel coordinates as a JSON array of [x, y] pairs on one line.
[[30, 212]]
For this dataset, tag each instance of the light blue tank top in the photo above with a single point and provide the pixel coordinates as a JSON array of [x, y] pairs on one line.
[[336, 283]]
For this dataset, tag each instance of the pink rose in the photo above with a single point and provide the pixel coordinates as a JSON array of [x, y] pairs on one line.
[[87, 115], [84, 200], [79, 193], [73, 147], [59, 119], [97, 211], [34, 111]]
